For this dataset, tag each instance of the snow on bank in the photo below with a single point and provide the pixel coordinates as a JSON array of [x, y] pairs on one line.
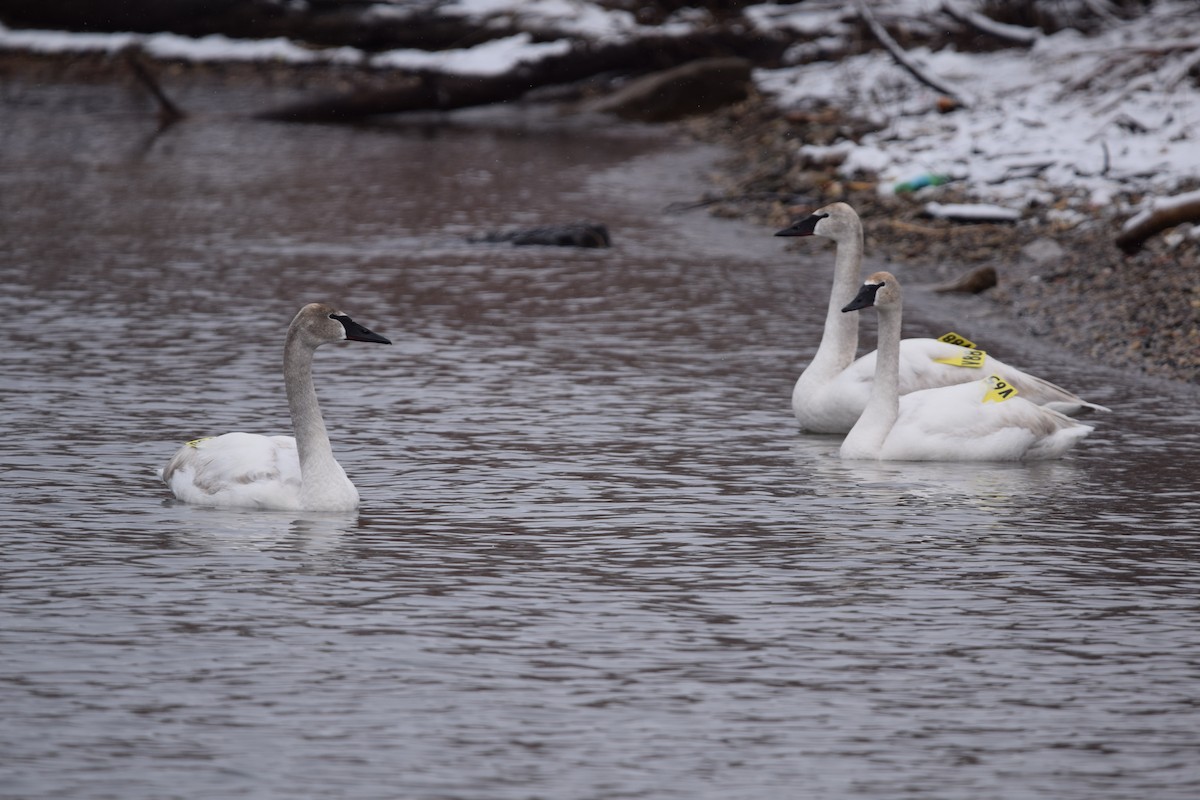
[[168, 45], [495, 57], [565, 19], [565, 16], [1099, 117], [490, 58]]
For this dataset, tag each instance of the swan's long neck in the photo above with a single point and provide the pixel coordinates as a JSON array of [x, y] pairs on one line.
[[866, 438], [312, 440], [839, 341]]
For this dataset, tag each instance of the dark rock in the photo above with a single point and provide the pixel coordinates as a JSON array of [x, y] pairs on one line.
[[974, 282], [571, 234]]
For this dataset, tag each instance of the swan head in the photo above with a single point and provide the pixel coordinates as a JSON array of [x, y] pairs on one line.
[[319, 323], [880, 290], [836, 221]]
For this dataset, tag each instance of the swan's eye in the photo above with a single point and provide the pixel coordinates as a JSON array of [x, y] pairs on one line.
[[333, 316], [823, 216]]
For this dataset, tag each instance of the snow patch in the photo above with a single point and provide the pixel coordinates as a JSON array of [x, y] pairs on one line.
[[490, 58], [565, 16]]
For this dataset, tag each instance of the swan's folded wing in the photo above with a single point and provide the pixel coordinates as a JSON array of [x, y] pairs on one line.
[[237, 470], [924, 364], [956, 424], [834, 404], [929, 363]]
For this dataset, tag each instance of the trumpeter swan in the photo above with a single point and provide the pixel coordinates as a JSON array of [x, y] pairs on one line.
[[246, 470], [831, 392], [985, 420]]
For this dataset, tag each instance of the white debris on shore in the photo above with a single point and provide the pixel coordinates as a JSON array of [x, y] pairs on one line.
[[971, 212]]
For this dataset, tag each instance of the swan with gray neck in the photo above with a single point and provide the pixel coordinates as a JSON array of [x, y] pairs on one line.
[[285, 473]]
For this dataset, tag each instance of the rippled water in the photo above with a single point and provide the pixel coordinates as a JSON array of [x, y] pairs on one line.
[[594, 559]]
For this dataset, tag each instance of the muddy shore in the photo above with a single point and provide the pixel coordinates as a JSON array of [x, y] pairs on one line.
[[1070, 284]]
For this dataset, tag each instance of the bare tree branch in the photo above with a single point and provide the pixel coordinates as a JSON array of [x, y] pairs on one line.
[[898, 53], [168, 112], [1001, 30]]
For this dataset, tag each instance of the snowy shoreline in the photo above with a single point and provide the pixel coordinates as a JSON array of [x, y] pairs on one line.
[[1105, 119]]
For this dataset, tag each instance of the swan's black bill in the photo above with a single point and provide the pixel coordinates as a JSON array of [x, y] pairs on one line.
[[804, 227], [357, 333], [865, 297]]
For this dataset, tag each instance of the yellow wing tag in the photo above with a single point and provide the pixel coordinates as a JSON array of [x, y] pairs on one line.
[[954, 338], [967, 358], [197, 442], [998, 390]]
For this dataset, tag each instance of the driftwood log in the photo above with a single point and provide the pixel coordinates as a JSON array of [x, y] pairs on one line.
[[1163, 214], [1017, 34], [698, 87], [431, 91]]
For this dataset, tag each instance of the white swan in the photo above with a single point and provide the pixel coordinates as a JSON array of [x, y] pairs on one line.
[[832, 391], [246, 470], [984, 420]]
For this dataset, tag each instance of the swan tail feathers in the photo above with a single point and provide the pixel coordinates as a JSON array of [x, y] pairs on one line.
[[1053, 396], [1057, 444]]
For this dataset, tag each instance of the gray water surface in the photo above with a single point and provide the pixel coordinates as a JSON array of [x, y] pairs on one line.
[[594, 558]]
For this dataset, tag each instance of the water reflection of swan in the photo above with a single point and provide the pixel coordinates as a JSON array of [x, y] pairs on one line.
[[315, 532], [246, 470], [931, 486], [832, 392]]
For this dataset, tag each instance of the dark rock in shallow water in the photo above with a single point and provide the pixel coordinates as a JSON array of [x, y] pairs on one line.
[[572, 234]]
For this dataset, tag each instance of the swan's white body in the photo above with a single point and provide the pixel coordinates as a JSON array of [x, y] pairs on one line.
[[832, 391], [246, 470], [973, 421]]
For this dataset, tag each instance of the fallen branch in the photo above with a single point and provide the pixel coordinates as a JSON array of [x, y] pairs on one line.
[[1102, 9], [428, 91], [168, 112], [1001, 30], [1163, 213], [901, 57], [700, 86], [432, 91], [1177, 73]]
